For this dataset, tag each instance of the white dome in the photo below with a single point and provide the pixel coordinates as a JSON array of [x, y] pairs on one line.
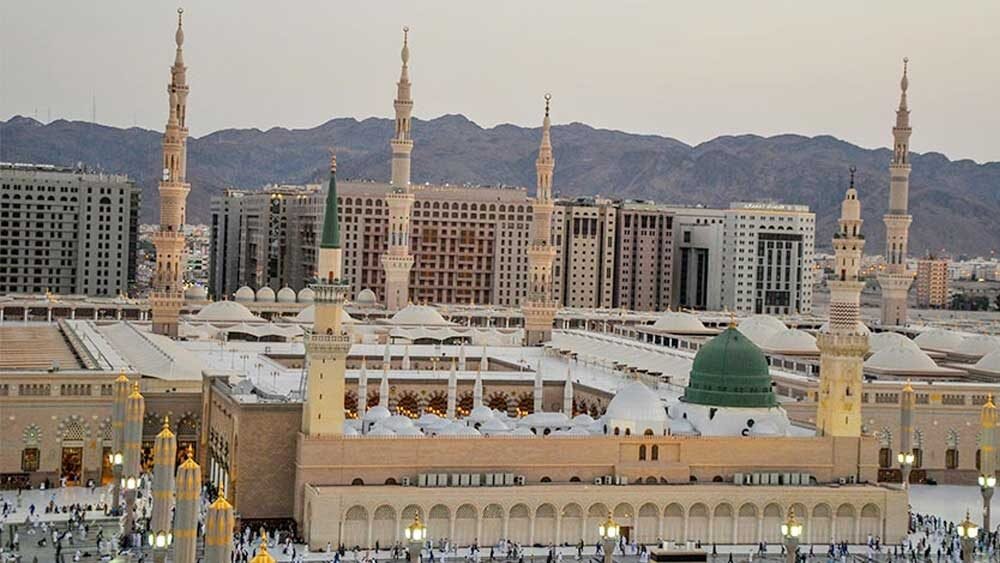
[[196, 293], [635, 401], [792, 340], [376, 413], [679, 322], [544, 420], [418, 315], [286, 295], [879, 340], [493, 427], [226, 311], [978, 345], [990, 362], [583, 420], [265, 295], [244, 294], [380, 430], [901, 358], [366, 297], [306, 295], [350, 431], [760, 328], [308, 315], [938, 339], [481, 413], [427, 419], [397, 422]]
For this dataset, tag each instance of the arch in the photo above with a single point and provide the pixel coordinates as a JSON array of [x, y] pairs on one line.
[[651, 480], [845, 522], [722, 523], [439, 521], [746, 525], [656, 453], [545, 524], [773, 517], [647, 525], [871, 522], [408, 404], [391, 481], [624, 514], [572, 523], [642, 452], [492, 524], [596, 514], [499, 401], [437, 403], [821, 524], [519, 524], [358, 481], [384, 525], [697, 523], [355, 527], [466, 519]]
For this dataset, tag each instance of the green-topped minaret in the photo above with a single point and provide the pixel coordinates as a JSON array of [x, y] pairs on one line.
[[331, 218]]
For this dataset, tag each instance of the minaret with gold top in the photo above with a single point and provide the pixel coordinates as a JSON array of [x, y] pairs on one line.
[[539, 308], [397, 260], [167, 296], [895, 281], [186, 511], [328, 343], [844, 344]]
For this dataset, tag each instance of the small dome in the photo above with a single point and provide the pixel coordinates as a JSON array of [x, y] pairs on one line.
[[635, 401], [196, 293], [679, 322], [759, 328], [583, 420], [792, 340], [418, 315], [308, 315], [380, 430], [397, 422], [481, 413], [901, 358], [225, 311], [244, 294], [978, 345], [265, 295], [730, 371], [990, 362], [366, 297], [376, 413], [880, 340], [938, 339], [286, 295], [307, 295]]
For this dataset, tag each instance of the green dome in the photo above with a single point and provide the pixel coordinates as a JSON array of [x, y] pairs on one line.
[[730, 371]]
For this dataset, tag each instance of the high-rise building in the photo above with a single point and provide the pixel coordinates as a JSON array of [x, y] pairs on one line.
[[932, 283], [583, 232], [844, 343], [698, 245], [895, 280], [67, 231], [643, 257], [167, 296]]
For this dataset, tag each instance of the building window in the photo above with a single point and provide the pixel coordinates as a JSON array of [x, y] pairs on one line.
[[656, 453], [918, 458], [642, 453], [885, 458], [951, 458], [29, 459]]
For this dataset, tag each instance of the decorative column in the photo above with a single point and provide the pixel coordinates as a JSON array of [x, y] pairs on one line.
[[119, 396], [987, 457], [186, 512], [219, 524], [568, 394], [452, 392], [461, 357], [363, 388], [164, 460], [905, 456], [539, 390], [135, 411]]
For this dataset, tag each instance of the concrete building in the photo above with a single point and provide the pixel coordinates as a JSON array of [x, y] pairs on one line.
[[697, 254], [643, 257], [932, 283], [66, 231], [583, 232]]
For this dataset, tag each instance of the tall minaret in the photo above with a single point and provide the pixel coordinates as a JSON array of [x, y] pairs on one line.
[[328, 343], [844, 344], [539, 308], [363, 389], [452, 392], [568, 394], [538, 390], [167, 296], [397, 260], [895, 280]]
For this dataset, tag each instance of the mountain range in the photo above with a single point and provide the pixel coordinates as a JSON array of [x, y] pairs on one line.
[[955, 204]]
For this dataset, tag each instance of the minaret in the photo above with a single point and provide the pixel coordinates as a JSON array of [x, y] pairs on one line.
[[406, 357], [895, 280], [186, 512], [383, 389], [164, 461], [167, 296], [844, 344], [568, 394], [363, 389], [328, 343], [539, 390], [539, 308], [461, 356], [219, 524], [397, 260], [452, 391], [477, 388]]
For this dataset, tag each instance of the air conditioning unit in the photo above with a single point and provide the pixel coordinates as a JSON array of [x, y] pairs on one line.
[[405, 481], [842, 481], [609, 479], [520, 480], [456, 480], [598, 480], [489, 479], [852, 479], [442, 480], [422, 480], [476, 479], [465, 479], [737, 478], [621, 480], [508, 479]]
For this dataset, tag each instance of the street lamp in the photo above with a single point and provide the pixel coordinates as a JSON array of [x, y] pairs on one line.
[[415, 533], [160, 540], [968, 531], [609, 532], [116, 460], [791, 530], [906, 460], [986, 485]]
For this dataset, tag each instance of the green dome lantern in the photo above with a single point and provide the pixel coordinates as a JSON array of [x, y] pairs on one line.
[[730, 371]]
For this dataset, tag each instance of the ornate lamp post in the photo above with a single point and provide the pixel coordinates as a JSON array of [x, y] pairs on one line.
[[906, 464], [120, 396], [164, 458], [609, 532], [791, 531], [135, 410], [986, 485], [987, 456], [968, 531], [416, 534]]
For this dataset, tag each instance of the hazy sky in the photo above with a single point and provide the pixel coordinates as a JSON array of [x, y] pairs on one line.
[[689, 70]]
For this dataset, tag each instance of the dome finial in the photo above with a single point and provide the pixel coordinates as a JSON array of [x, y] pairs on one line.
[[179, 36], [333, 160], [548, 98], [853, 169], [405, 53]]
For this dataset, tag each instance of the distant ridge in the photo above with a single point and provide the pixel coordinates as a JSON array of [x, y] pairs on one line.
[[955, 204]]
